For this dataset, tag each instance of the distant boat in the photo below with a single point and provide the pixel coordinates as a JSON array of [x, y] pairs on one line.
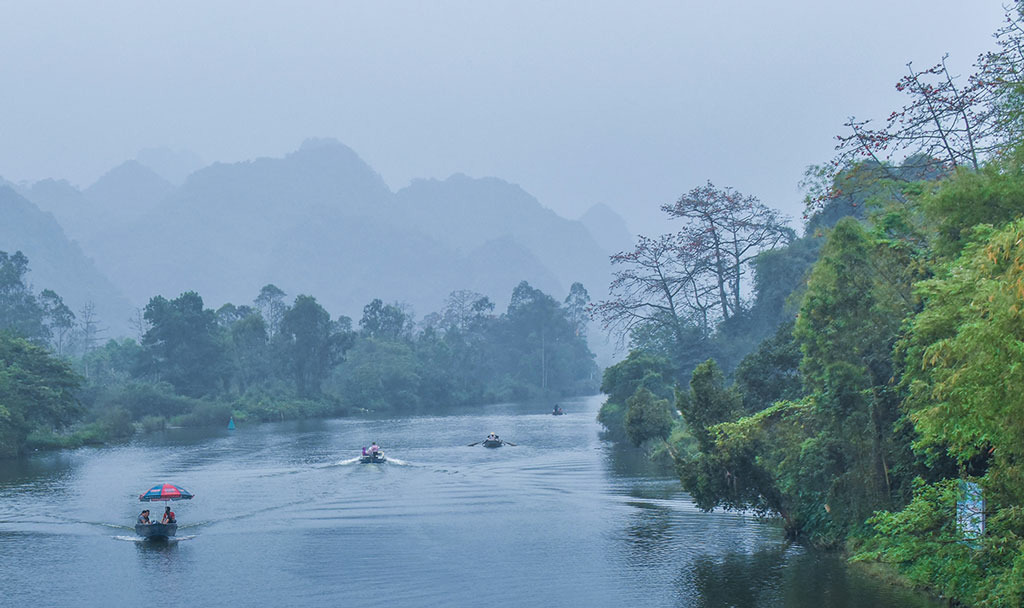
[[373, 458], [492, 441]]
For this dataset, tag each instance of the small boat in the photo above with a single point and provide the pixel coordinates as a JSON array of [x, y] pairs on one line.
[[558, 412], [161, 492], [156, 531], [493, 443], [373, 458]]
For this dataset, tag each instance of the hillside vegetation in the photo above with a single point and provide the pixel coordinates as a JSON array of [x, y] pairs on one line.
[[864, 377]]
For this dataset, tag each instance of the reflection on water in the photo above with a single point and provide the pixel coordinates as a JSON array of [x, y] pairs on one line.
[[285, 516]]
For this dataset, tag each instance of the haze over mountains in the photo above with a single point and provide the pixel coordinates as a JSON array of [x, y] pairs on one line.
[[318, 221]]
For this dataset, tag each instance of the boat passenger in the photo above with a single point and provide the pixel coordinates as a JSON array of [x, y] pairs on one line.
[[144, 516], [374, 448], [364, 450], [168, 517]]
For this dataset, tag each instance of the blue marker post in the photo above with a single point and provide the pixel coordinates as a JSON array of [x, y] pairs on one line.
[[231, 424]]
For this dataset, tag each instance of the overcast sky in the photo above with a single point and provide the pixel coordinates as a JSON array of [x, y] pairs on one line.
[[626, 103]]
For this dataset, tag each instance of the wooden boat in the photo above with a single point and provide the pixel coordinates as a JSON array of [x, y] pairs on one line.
[[156, 531], [373, 458], [493, 443]]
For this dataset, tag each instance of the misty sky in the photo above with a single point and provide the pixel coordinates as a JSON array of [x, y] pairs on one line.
[[626, 103]]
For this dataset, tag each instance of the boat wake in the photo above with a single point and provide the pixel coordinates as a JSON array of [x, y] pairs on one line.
[[347, 461]]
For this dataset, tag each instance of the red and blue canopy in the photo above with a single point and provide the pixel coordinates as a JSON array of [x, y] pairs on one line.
[[165, 491]]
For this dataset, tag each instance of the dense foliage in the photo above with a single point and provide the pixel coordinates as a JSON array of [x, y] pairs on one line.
[[272, 360], [37, 391], [888, 375]]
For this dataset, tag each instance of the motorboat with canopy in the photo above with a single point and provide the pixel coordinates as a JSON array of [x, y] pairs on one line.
[[161, 492]]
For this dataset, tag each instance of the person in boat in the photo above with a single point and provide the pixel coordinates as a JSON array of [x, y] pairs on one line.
[[492, 437], [364, 450], [374, 449], [144, 517], [558, 409], [168, 517]]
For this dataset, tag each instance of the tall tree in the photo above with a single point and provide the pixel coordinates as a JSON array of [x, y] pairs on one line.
[[184, 345], [37, 392], [59, 320], [463, 308], [663, 284], [385, 321], [576, 308], [20, 311], [734, 228], [313, 344], [271, 305], [647, 417], [248, 340]]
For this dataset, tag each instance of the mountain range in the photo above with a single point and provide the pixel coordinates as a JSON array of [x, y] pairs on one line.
[[318, 221]]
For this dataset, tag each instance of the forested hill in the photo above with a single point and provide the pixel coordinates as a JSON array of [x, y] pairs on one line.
[[320, 220], [58, 263]]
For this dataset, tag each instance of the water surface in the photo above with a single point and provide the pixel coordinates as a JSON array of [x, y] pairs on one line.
[[284, 516]]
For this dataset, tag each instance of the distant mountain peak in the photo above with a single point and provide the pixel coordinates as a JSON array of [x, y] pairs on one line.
[[172, 165], [130, 171], [608, 228], [127, 190], [321, 143]]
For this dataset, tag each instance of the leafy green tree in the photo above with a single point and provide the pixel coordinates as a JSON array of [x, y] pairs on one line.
[[381, 375], [639, 370], [59, 320], [576, 308], [312, 343], [20, 311], [229, 314], [544, 347], [113, 363], [249, 346], [772, 372], [963, 368], [183, 345], [758, 463], [647, 417], [463, 309], [385, 321], [994, 195], [709, 402], [848, 324], [270, 304], [37, 392]]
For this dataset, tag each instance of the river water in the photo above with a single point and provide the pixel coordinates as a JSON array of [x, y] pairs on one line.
[[284, 516]]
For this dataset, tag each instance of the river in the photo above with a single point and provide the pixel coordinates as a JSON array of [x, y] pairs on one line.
[[284, 516]]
